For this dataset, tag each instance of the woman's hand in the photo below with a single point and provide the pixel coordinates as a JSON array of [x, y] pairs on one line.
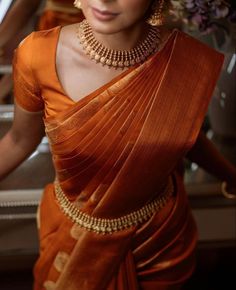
[[21, 140], [228, 190], [206, 155]]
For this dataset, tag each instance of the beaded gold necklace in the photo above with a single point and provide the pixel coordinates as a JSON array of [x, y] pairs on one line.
[[117, 58]]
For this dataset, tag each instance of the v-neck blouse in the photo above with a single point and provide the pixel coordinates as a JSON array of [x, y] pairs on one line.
[[36, 83]]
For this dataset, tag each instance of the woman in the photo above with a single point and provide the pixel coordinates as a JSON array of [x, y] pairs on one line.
[[122, 104]]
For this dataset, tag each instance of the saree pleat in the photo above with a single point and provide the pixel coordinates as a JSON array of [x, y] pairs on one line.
[[155, 141], [114, 160], [107, 145], [114, 151], [117, 120]]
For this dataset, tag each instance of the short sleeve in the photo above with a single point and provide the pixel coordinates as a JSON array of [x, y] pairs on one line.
[[27, 92]]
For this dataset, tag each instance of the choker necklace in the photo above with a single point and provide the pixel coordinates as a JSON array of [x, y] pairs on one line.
[[117, 58]]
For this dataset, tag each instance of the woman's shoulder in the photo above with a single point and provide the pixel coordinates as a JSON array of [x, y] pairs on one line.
[[41, 38], [165, 33], [36, 48], [188, 42]]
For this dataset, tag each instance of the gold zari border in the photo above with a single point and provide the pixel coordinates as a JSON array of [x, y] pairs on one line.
[[108, 226]]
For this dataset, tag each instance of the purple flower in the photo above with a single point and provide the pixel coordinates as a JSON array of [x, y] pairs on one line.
[[202, 13]]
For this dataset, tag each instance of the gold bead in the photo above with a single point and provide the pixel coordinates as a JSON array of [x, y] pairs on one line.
[[92, 53], [114, 63], [108, 62], [97, 57], [127, 63], [103, 60], [120, 64]]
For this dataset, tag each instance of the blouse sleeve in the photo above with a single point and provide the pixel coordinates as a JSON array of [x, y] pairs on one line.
[[27, 92]]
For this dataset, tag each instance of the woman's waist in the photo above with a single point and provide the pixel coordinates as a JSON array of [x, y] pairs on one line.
[[106, 225]]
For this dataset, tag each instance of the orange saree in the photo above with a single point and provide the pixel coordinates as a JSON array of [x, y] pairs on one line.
[[115, 151], [59, 12]]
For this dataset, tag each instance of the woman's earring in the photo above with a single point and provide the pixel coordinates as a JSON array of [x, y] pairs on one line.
[[156, 18], [77, 4]]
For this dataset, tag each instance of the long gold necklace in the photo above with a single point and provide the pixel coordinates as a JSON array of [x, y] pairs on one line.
[[117, 58]]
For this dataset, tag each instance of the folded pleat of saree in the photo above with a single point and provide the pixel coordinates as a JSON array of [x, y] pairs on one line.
[[114, 152]]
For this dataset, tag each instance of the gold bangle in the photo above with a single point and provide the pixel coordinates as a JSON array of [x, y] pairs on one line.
[[225, 192]]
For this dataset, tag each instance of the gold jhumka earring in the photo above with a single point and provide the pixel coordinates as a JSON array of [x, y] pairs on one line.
[[77, 4], [156, 18]]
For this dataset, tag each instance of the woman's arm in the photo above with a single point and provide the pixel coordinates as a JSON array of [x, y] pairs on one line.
[[206, 155], [16, 18], [21, 140]]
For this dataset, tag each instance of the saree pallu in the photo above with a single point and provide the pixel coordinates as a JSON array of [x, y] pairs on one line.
[[58, 12], [114, 152]]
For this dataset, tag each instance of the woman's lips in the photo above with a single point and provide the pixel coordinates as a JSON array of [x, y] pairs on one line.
[[103, 15]]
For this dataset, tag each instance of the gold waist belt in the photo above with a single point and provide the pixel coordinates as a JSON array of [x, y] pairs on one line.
[[107, 226], [59, 7]]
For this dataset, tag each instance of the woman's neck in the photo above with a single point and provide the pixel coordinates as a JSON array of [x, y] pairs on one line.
[[125, 39]]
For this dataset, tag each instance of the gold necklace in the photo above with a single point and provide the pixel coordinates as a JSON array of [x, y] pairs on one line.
[[117, 58]]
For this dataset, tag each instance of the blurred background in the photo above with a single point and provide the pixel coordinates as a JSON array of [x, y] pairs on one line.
[[213, 22]]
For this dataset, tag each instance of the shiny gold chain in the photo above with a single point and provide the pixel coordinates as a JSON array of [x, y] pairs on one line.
[[108, 226], [117, 58]]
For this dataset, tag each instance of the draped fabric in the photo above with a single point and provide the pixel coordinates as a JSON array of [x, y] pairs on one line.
[[113, 152], [59, 12]]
